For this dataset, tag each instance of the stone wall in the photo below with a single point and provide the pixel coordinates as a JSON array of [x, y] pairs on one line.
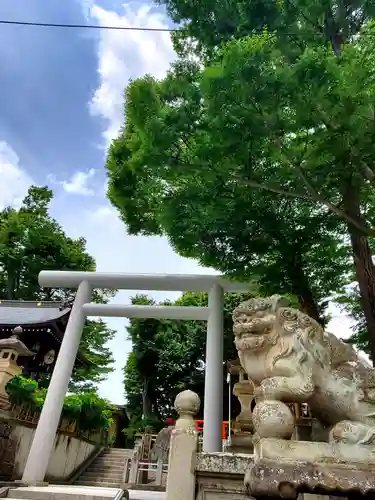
[[7, 451], [68, 452], [67, 455]]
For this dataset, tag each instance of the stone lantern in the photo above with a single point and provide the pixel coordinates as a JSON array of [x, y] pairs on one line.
[[242, 439], [10, 349]]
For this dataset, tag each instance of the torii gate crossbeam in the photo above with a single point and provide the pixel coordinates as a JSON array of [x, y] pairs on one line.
[[85, 282]]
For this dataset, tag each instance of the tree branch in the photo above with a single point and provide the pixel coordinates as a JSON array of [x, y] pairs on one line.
[[290, 194], [366, 171], [320, 199]]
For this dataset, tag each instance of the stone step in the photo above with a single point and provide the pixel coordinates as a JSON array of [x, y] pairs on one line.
[[102, 469], [101, 472], [116, 455], [110, 463], [65, 492], [110, 476], [106, 467], [118, 451], [102, 484], [112, 460], [17, 494]]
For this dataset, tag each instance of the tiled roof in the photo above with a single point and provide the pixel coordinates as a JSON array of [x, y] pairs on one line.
[[18, 312]]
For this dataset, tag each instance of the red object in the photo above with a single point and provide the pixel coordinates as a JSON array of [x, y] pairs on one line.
[[199, 425], [170, 421]]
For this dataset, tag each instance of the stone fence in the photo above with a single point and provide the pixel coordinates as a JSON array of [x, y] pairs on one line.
[[278, 468]]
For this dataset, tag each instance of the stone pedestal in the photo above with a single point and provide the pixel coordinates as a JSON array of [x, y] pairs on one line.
[[285, 469], [241, 442]]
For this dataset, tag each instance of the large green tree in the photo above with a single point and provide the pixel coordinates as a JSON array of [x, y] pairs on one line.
[[307, 34], [168, 356], [32, 241], [287, 116], [205, 26], [168, 176]]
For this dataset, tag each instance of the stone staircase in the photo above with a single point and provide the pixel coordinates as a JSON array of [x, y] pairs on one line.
[[106, 470]]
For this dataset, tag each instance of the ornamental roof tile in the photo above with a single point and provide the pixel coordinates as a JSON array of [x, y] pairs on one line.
[[19, 312]]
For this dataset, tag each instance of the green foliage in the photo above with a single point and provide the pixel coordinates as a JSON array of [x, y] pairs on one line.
[[87, 409], [22, 391], [138, 425], [168, 357], [187, 169], [259, 164], [32, 241], [207, 25], [93, 346]]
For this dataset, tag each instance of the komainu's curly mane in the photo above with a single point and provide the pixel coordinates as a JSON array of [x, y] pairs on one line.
[[301, 336], [293, 332]]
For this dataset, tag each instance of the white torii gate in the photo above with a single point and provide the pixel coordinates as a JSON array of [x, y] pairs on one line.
[[85, 282]]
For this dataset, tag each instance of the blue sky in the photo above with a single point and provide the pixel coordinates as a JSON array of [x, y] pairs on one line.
[[60, 104]]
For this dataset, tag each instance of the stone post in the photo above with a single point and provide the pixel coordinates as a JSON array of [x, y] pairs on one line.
[[183, 448], [134, 464]]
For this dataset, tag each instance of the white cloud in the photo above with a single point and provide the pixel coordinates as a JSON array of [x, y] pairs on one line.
[[125, 55], [77, 184], [14, 180], [106, 215]]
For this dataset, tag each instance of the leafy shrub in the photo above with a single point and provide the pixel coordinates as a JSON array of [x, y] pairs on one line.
[[21, 391], [95, 413], [72, 408], [39, 398], [138, 425], [87, 409]]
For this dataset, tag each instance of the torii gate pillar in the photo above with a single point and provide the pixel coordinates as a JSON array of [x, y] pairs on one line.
[[213, 387]]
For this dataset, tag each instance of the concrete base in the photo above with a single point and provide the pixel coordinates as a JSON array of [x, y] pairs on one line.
[[20, 483], [220, 476], [284, 469], [241, 443], [53, 492], [338, 454]]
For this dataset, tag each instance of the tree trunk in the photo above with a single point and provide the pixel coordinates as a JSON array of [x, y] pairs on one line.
[[10, 285], [309, 306], [146, 401], [301, 288], [363, 263]]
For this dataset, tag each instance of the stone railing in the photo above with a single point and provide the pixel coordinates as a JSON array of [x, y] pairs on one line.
[[283, 467]]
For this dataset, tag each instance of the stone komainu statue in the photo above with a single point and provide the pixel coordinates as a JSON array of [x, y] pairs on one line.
[[160, 449], [290, 358]]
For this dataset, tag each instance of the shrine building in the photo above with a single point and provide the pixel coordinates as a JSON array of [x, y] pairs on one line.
[[41, 327]]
